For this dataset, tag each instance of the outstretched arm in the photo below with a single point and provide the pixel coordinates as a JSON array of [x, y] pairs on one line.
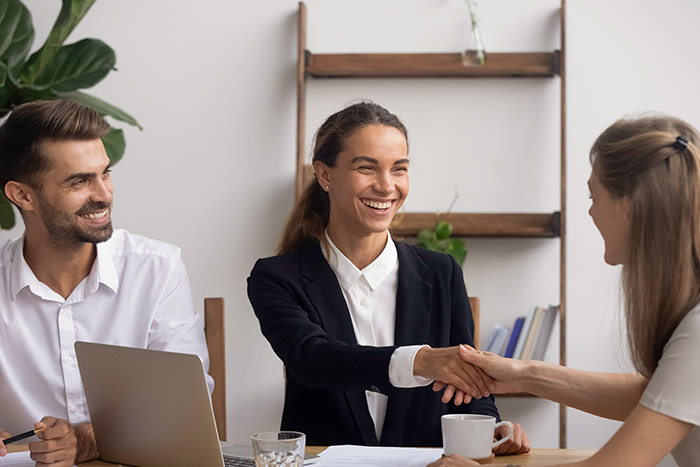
[[609, 395]]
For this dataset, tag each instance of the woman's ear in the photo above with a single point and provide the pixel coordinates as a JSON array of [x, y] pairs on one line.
[[323, 176], [21, 195]]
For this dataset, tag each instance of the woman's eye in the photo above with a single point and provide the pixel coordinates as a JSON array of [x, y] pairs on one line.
[[365, 169]]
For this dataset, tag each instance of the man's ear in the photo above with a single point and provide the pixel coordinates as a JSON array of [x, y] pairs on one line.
[[22, 195], [323, 176]]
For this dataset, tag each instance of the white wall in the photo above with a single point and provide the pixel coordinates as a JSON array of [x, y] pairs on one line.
[[213, 85]]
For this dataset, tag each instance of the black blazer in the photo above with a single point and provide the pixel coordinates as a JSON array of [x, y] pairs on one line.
[[304, 316]]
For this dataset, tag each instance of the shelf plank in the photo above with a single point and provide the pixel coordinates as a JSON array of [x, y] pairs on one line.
[[513, 225], [435, 65]]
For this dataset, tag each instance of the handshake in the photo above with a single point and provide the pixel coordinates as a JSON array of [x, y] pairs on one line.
[[465, 373]]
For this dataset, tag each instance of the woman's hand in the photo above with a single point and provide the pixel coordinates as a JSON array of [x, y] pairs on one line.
[[453, 461], [446, 365], [518, 444], [506, 373]]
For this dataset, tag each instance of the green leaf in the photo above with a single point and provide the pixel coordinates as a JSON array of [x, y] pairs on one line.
[[102, 107], [72, 11], [3, 74], [443, 230], [76, 66], [425, 235], [16, 34], [456, 248], [115, 145], [7, 214]]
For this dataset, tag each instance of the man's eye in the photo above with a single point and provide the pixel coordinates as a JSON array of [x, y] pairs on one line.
[[365, 169], [79, 182]]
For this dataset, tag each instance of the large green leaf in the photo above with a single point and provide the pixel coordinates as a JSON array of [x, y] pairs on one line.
[[16, 34], [72, 11], [115, 144], [3, 74], [77, 66], [102, 107], [7, 215]]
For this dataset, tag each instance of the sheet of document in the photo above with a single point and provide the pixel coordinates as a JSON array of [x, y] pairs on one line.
[[373, 456], [17, 459]]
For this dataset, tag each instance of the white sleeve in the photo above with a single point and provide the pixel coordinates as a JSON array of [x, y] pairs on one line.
[[177, 326], [673, 388], [401, 368]]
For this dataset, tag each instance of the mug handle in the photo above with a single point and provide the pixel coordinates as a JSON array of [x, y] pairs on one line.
[[505, 438]]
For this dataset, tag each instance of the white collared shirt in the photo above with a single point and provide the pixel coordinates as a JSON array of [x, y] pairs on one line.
[[137, 294], [370, 294]]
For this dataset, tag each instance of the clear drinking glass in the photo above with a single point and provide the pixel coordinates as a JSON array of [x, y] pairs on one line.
[[279, 448]]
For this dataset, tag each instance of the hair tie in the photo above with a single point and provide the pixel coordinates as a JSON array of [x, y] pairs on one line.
[[681, 143]]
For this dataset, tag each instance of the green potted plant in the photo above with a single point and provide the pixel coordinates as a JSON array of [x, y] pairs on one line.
[[54, 71], [438, 239]]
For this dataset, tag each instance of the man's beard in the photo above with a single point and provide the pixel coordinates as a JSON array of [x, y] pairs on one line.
[[63, 228]]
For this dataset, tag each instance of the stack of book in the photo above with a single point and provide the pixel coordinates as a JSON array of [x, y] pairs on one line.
[[529, 336]]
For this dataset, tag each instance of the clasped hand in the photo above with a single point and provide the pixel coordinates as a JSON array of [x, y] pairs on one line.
[[446, 367]]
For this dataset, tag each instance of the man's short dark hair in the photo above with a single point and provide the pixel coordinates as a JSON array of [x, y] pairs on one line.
[[31, 124]]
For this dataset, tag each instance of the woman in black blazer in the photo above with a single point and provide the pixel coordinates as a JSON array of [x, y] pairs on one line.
[[347, 309]]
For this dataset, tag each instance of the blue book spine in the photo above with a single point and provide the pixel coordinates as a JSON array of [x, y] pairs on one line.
[[517, 329]]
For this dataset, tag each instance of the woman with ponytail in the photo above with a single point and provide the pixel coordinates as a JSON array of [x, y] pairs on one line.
[[362, 323], [645, 201]]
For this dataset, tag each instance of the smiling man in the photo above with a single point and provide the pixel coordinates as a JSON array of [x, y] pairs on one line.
[[70, 277]]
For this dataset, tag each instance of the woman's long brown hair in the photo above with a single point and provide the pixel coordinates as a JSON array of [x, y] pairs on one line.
[[653, 161]]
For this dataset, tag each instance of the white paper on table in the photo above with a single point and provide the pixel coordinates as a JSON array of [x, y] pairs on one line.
[[17, 459], [377, 456]]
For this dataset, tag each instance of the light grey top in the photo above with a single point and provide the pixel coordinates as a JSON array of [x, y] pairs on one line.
[[674, 388]]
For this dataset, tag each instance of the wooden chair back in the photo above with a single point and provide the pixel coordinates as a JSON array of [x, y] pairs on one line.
[[475, 304], [214, 331]]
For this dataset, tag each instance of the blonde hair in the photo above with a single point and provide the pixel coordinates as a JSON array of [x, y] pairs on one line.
[[653, 162]]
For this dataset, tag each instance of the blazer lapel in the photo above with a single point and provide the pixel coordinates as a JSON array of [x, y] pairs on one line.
[[325, 294], [413, 300]]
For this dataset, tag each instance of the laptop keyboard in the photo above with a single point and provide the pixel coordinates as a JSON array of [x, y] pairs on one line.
[[233, 461]]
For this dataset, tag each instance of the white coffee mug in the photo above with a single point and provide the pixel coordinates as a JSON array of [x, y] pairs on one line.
[[471, 436]]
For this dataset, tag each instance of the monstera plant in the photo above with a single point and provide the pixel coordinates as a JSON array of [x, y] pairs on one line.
[[55, 71]]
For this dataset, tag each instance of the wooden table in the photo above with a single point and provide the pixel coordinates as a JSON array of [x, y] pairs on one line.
[[536, 457]]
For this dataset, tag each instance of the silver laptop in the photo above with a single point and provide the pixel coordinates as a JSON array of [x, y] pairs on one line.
[[152, 408]]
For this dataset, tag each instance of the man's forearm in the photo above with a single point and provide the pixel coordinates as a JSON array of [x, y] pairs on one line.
[[87, 447]]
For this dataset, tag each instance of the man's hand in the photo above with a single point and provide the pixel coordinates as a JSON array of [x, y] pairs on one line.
[[3, 435], [518, 444], [446, 365], [63, 444]]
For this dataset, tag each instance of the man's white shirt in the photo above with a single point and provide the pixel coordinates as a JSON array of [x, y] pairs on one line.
[[370, 294], [137, 295]]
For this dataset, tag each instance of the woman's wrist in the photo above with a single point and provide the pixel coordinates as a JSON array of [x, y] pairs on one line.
[[533, 376]]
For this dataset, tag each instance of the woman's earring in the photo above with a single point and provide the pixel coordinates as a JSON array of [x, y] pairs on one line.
[[327, 187]]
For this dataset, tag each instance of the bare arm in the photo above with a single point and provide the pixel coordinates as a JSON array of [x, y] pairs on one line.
[[609, 395], [643, 440]]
